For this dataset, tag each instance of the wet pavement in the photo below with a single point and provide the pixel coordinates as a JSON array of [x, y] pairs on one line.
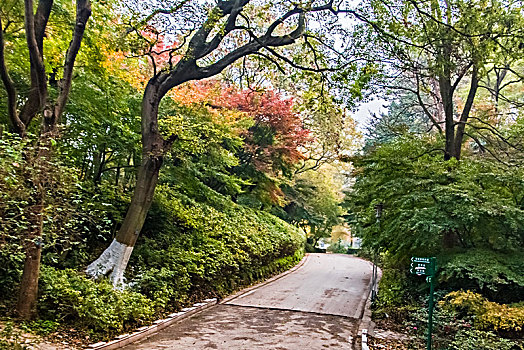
[[318, 306]]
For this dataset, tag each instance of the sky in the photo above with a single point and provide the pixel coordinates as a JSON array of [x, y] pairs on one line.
[[364, 112]]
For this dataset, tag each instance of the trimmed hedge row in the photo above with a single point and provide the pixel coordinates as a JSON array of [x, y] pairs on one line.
[[191, 249], [188, 250]]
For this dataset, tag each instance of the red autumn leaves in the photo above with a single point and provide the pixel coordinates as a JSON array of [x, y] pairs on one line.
[[276, 139]]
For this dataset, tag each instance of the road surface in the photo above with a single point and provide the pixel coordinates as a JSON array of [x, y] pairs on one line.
[[318, 306]]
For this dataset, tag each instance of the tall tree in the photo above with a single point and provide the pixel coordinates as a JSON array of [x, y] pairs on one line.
[[22, 110], [232, 30], [441, 51]]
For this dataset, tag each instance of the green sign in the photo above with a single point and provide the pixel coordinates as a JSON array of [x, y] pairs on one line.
[[423, 266], [426, 267]]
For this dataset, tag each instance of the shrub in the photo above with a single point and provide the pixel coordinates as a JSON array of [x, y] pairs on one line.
[[478, 340], [191, 249], [495, 275], [66, 296], [487, 315], [394, 297]]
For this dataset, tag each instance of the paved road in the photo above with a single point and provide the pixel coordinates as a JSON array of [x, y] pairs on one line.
[[316, 307]]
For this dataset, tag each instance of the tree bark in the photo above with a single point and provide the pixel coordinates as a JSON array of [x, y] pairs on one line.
[[459, 133], [28, 293], [113, 261], [38, 101], [446, 94]]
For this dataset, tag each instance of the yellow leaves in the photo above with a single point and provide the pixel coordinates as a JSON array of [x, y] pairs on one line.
[[488, 315], [501, 317], [117, 64], [195, 92]]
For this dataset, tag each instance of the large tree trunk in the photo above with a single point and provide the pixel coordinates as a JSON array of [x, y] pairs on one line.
[[113, 261]]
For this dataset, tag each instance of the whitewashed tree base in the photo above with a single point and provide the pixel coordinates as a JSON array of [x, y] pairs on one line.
[[112, 261]]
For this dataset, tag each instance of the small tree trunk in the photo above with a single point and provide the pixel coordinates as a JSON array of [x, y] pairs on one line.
[[459, 134], [28, 293], [447, 100]]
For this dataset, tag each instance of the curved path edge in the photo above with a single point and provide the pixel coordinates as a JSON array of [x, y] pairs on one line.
[[263, 283], [147, 331]]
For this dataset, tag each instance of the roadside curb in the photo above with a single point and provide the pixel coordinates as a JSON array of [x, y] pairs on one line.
[[147, 331], [263, 283], [366, 324]]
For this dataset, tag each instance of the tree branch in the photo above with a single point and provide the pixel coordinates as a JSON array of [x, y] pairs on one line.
[[42, 16], [83, 12], [38, 92], [17, 125], [425, 109]]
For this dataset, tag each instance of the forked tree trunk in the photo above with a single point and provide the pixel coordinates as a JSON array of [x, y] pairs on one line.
[[36, 101]]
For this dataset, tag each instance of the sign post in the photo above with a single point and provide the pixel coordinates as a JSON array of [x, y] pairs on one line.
[[426, 267]]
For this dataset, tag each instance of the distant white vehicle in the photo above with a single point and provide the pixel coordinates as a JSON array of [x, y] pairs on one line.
[[321, 245], [356, 242]]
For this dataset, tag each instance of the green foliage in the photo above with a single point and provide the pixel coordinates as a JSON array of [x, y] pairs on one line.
[[13, 196], [398, 292], [190, 248], [431, 204], [496, 275], [314, 200], [41, 327], [337, 247], [67, 297], [479, 340]]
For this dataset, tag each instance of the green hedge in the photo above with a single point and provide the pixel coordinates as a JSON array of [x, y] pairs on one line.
[[191, 249], [187, 251], [70, 298]]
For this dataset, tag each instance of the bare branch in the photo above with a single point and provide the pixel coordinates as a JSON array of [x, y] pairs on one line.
[[158, 11]]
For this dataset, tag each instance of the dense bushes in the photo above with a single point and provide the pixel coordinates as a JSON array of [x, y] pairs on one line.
[[67, 297], [431, 205], [479, 340], [496, 275], [486, 315], [467, 213], [191, 248]]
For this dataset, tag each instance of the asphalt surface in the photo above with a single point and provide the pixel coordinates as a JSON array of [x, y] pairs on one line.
[[318, 306]]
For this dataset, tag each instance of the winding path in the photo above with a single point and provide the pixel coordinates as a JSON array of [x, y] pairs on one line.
[[318, 306]]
